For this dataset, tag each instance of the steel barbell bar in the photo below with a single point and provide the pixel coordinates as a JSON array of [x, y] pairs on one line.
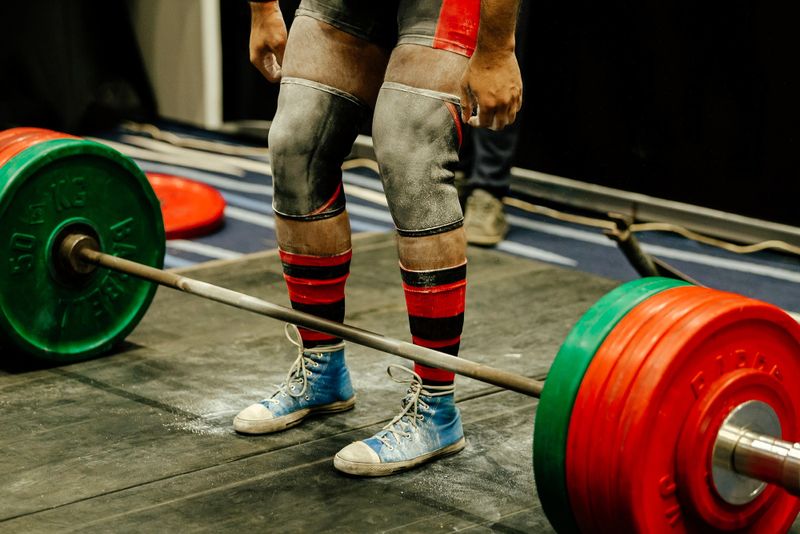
[[757, 456], [79, 250]]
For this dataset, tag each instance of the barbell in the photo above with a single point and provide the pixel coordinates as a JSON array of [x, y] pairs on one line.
[[669, 407]]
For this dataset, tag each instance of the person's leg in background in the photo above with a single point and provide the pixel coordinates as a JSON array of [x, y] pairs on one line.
[[417, 132], [487, 182], [488, 169], [330, 79]]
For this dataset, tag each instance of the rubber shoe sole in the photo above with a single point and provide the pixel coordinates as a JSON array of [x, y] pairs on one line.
[[287, 421], [381, 470]]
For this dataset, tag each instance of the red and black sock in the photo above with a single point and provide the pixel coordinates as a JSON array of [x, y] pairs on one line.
[[316, 286], [435, 302]]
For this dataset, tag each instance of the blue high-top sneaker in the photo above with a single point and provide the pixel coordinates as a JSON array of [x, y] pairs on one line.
[[428, 427], [317, 382]]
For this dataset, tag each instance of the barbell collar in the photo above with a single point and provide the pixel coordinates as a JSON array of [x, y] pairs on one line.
[[766, 458], [81, 248], [747, 455]]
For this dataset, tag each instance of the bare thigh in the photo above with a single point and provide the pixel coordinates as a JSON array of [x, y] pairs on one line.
[[319, 52], [426, 68]]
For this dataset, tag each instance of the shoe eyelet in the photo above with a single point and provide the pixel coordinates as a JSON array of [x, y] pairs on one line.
[[307, 397], [291, 387], [283, 394]]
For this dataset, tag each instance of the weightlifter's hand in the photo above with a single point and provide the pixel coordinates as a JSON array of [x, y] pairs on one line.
[[267, 38], [491, 85]]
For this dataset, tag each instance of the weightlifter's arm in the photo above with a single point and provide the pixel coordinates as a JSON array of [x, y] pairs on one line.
[[267, 38], [492, 81]]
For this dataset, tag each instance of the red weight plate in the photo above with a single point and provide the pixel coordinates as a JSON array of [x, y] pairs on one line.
[[190, 209], [601, 399], [12, 133], [19, 139], [696, 445], [725, 335], [16, 134], [616, 398]]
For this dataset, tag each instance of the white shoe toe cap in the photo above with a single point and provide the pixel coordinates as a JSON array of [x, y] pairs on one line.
[[255, 413], [360, 453]]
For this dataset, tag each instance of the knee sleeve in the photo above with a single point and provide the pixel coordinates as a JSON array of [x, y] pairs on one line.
[[313, 131], [417, 134]]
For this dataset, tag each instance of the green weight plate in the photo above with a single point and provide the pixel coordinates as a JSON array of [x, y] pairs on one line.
[[47, 190], [561, 388]]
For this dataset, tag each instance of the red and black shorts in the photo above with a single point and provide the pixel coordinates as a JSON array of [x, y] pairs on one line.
[[445, 24]]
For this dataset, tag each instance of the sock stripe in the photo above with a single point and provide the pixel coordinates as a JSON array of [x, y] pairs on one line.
[[312, 338], [448, 346], [438, 329], [434, 278], [315, 261], [315, 291], [433, 376], [316, 272], [443, 303], [333, 311]]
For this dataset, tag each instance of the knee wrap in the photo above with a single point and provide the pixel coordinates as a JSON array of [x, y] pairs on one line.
[[313, 131], [417, 134]]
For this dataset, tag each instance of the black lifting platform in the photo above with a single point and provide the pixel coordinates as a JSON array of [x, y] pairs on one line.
[[143, 440]]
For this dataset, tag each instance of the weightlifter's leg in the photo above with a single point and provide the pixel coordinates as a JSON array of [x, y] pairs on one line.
[[417, 156], [330, 81]]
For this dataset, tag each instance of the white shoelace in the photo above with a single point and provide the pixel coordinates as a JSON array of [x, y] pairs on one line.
[[299, 371], [406, 421]]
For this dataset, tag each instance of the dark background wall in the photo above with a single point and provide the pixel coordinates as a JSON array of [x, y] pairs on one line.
[[246, 94], [692, 101], [70, 65]]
